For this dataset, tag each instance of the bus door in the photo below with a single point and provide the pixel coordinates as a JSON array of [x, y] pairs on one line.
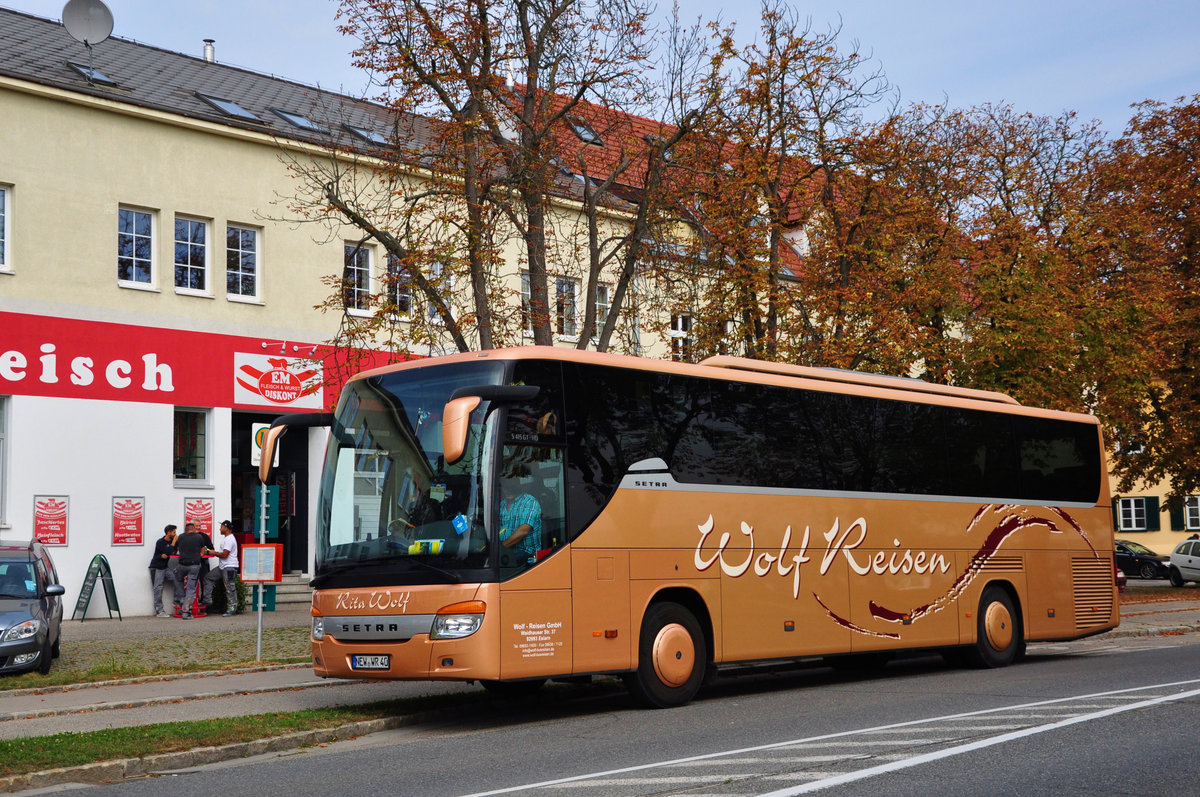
[[530, 530]]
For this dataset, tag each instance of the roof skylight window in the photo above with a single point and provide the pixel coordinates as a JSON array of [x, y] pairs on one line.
[[91, 74], [228, 107], [585, 132], [367, 134], [299, 120]]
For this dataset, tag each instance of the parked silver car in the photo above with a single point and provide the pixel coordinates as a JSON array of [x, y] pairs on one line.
[[30, 608], [1185, 563]]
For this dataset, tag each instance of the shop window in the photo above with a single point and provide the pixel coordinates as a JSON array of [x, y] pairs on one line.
[[191, 438]]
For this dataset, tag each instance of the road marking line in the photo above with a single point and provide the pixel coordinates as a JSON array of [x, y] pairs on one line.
[[860, 731], [870, 772]]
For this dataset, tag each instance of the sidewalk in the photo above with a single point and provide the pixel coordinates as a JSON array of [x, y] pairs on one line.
[[98, 626]]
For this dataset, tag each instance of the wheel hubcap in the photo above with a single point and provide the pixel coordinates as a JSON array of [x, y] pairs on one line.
[[674, 655], [998, 625]]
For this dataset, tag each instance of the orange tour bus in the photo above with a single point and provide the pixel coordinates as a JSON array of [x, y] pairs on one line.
[[519, 515]]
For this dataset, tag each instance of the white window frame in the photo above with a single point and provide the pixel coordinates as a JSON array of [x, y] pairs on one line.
[[207, 478], [397, 287], [358, 287], [6, 228], [526, 299], [566, 308], [1191, 512], [446, 284], [681, 336], [1131, 514], [205, 268], [239, 252], [136, 284], [603, 296]]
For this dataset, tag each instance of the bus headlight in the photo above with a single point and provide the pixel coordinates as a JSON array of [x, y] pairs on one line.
[[318, 628], [457, 620]]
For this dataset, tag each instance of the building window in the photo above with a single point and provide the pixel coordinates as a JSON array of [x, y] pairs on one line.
[[1133, 514], [526, 299], [681, 337], [191, 444], [566, 306], [398, 286], [586, 132], [356, 278], [1191, 512], [191, 255], [603, 304], [5, 226], [241, 262], [135, 247], [443, 281]]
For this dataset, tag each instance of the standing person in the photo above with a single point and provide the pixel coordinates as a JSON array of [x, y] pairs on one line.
[[191, 553], [160, 569], [226, 570]]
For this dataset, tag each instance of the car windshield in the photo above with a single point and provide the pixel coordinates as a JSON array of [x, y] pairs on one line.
[[16, 580], [388, 499], [1138, 548]]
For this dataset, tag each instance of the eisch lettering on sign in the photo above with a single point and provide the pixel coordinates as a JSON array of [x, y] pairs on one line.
[[82, 370]]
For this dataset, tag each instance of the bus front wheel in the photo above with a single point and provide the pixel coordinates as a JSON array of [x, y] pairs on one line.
[[672, 657], [998, 635]]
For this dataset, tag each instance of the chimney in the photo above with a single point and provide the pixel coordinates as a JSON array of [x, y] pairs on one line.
[[210, 53]]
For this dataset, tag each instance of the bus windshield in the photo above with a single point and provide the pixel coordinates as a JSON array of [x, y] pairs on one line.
[[389, 505]]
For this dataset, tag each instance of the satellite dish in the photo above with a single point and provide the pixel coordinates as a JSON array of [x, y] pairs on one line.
[[88, 21]]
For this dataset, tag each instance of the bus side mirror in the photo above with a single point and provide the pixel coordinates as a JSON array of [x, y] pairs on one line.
[[297, 420], [270, 440], [455, 417]]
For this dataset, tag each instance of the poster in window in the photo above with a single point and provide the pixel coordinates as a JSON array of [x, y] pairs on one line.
[[199, 511], [128, 520], [50, 514]]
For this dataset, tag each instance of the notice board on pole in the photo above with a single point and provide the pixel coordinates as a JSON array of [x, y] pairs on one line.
[[262, 563]]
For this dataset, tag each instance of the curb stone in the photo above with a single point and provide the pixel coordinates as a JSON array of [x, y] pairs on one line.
[[150, 765]]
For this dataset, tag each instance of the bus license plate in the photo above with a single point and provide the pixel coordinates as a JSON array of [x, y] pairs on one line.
[[358, 662]]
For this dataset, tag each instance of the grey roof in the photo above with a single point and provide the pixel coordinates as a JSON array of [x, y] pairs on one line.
[[40, 50]]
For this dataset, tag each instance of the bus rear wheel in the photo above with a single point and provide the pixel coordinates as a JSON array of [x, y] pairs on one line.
[[999, 639], [672, 657]]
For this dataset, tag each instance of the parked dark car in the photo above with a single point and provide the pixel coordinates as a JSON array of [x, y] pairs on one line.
[[1138, 561], [30, 608]]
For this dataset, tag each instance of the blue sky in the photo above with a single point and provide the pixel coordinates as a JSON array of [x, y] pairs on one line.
[[1096, 58]]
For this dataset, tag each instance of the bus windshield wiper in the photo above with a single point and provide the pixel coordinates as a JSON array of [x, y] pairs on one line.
[[454, 578]]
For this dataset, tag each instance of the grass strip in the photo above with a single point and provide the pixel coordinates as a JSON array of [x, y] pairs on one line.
[[39, 753], [112, 659]]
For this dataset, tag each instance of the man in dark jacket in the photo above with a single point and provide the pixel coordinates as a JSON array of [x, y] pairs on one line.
[[160, 569], [191, 548]]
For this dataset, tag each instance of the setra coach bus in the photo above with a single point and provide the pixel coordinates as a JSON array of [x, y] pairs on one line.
[[518, 515]]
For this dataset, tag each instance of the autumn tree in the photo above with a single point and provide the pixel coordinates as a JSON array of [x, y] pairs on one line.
[[769, 167], [1153, 247], [472, 185]]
